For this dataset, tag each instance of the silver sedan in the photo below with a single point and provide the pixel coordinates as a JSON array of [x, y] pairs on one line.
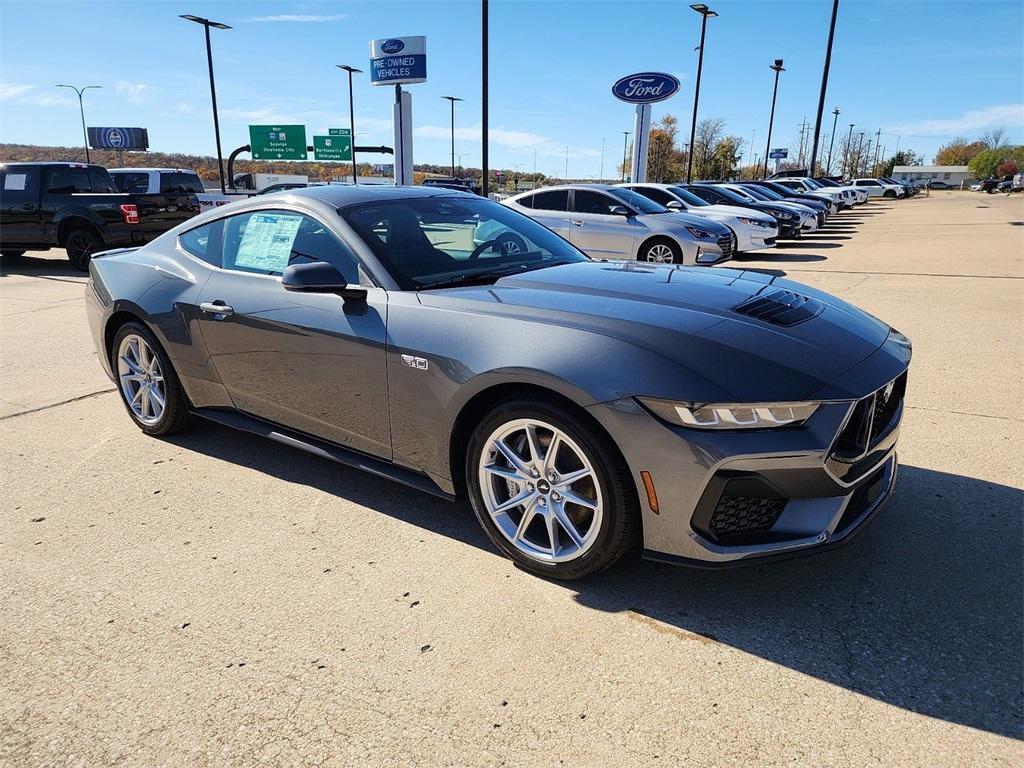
[[610, 222]]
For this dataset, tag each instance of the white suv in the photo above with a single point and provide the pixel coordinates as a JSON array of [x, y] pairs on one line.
[[878, 188]]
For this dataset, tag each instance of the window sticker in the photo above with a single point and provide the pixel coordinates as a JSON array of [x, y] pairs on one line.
[[15, 182], [267, 241]]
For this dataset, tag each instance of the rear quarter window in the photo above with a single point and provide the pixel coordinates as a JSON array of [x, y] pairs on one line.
[[204, 242], [180, 182]]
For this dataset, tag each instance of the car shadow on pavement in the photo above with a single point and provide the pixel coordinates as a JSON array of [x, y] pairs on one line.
[[921, 611], [815, 244], [39, 266], [781, 255]]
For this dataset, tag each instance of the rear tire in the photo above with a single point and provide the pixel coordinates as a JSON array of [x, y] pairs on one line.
[[889, 193], [561, 528], [145, 377], [660, 250], [81, 243]]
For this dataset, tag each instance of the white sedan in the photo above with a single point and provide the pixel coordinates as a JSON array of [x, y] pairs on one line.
[[754, 231], [879, 188]]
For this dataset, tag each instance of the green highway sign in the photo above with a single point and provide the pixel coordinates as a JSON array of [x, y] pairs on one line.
[[336, 146], [277, 142]]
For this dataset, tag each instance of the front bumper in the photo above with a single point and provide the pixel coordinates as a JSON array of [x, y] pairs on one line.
[[731, 498], [755, 238]]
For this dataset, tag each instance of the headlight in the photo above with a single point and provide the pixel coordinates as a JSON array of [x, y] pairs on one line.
[[784, 216], [731, 415], [700, 233], [752, 222]]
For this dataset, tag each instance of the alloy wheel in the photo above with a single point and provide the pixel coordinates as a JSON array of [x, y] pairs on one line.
[[660, 253], [141, 379], [541, 491]]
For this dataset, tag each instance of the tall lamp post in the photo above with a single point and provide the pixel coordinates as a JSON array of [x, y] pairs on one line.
[[777, 66], [351, 117], [831, 141], [824, 84], [213, 90], [453, 99], [81, 111], [846, 155], [625, 143], [704, 12]]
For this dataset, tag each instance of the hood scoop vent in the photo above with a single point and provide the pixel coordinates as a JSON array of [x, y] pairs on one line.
[[781, 307]]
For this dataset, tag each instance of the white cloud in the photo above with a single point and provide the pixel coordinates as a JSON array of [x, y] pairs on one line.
[[185, 107], [13, 90], [137, 93], [1010, 115], [301, 18]]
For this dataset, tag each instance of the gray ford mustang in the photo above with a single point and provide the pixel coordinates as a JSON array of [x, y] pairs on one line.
[[716, 416]]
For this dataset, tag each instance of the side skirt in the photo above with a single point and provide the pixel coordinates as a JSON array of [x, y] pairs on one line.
[[324, 449]]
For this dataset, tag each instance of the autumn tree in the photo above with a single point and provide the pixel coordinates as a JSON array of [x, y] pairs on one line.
[[959, 151], [665, 163]]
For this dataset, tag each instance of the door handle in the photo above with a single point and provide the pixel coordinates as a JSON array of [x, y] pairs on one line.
[[577, 222], [217, 308]]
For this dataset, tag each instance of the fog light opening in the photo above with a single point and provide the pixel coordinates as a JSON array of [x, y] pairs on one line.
[[652, 496]]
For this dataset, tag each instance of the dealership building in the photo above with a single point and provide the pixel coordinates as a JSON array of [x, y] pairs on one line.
[[954, 175]]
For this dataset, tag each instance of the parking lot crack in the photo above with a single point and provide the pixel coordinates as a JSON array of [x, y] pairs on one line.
[[57, 404]]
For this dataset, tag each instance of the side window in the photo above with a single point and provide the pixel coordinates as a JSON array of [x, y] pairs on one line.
[[131, 182], [100, 182], [657, 195], [204, 242], [266, 242], [555, 200], [526, 202], [704, 194], [68, 180], [180, 182], [947, 175], [587, 201]]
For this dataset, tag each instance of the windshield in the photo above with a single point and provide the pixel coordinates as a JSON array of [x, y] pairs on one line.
[[743, 193], [638, 201], [827, 183], [811, 183], [731, 196], [688, 197], [766, 192], [430, 242]]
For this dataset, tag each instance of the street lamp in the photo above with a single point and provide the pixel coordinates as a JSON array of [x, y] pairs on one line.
[[625, 143], [824, 84], [846, 157], [351, 117], [704, 12], [831, 141], [213, 91], [81, 111], [453, 99], [777, 67]]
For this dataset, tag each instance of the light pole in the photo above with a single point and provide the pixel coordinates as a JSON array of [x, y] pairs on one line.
[[831, 141], [81, 111], [846, 155], [567, 165], [213, 90], [704, 12], [860, 146], [750, 153], [777, 67], [351, 117], [484, 95], [625, 143], [453, 99], [602, 158], [824, 83], [461, 155]]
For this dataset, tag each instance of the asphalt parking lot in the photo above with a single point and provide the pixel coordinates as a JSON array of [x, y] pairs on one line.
[[217, 600]]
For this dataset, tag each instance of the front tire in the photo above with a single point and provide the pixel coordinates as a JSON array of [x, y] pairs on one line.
[[81, 244], [660, 251], [147, 383], [550, 490]]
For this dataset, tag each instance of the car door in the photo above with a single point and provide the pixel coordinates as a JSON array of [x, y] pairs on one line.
[[550, 208], [309, 361], [20, 216], [595, 230]]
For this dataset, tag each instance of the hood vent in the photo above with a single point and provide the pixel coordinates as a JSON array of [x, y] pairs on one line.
[[781, 307]]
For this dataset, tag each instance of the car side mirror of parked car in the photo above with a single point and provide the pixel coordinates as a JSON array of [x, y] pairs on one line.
[[320, 277], [619, 210], [674, 205]]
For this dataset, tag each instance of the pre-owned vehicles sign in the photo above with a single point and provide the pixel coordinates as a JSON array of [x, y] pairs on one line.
[[398, 60]]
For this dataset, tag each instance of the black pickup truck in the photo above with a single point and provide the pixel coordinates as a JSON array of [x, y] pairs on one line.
[[77, 207]]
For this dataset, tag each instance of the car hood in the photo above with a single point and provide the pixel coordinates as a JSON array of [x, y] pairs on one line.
[[729, 210], [676, 219], [689, 315]]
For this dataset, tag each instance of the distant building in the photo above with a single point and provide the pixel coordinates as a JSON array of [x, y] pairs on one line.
[[954, 175]]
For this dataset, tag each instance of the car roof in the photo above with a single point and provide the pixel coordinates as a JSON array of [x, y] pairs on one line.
[[159, 170], [340, 196], [75, 163]]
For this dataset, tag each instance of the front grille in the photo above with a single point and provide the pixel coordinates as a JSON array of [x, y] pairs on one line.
[[872, 418], [740, 515], [781, 307], [728, 245]]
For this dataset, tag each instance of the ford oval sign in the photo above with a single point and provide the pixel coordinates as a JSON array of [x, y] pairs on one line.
[[645, 87], [391, 47]]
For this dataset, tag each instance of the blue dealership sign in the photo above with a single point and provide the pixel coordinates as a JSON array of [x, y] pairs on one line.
[[119, 138], [778, 154], [645, 87], [398, 60]]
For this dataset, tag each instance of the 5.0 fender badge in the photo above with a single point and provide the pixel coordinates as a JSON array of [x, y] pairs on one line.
[[420, 363]]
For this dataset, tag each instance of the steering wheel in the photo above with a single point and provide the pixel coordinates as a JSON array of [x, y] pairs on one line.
[[509, 242]]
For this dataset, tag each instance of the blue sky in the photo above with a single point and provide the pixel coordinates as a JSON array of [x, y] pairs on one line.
[[925, 71]]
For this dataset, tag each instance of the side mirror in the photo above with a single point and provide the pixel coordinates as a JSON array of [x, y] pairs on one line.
[[320, 277], [620, 210], [674, 205]]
